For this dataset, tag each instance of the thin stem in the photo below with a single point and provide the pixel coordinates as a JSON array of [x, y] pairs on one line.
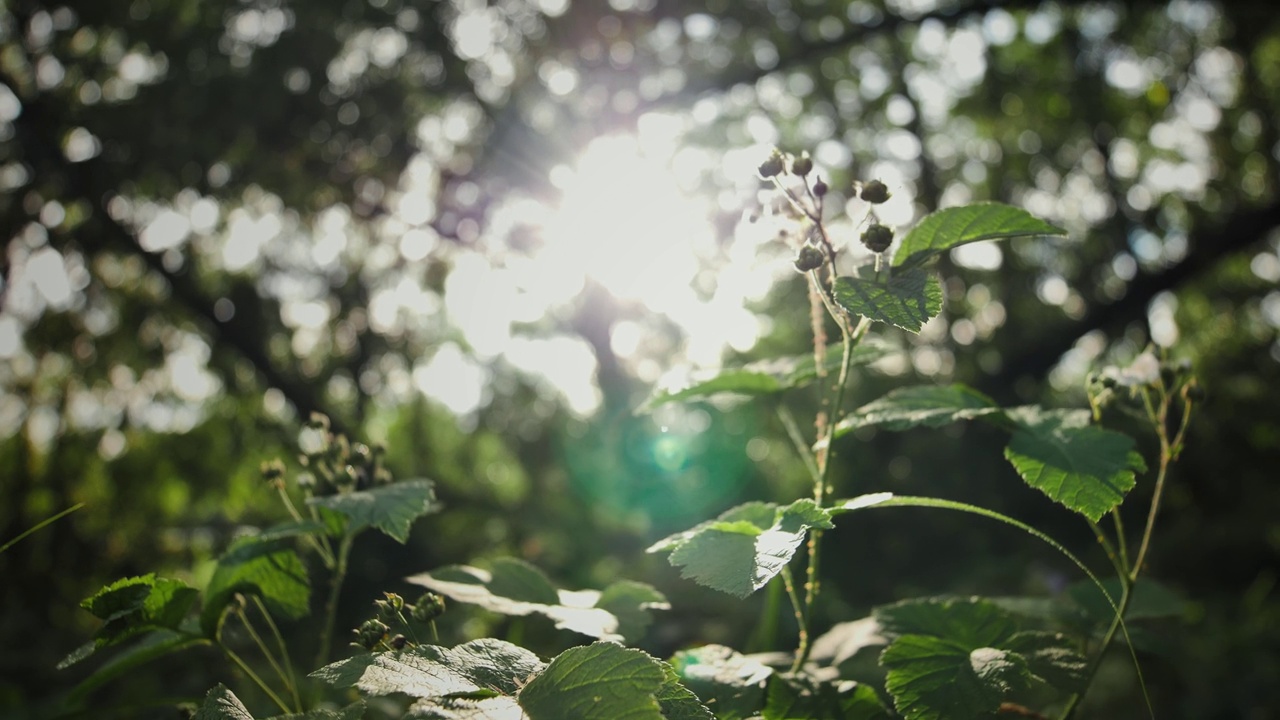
[[1112, 555], [1126, 595], [292, 680], [244, 667], [797, 606], [1121, 543], [271, 659], [326, 555], [41, 524], [797, 439], [335, 588]]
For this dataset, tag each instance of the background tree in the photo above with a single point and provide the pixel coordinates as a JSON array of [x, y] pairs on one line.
[[223, 216]]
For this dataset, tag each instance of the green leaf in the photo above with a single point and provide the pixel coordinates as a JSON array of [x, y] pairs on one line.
[[730, 684], [956, 657], [929, 405], [132, 606], [931, 678], [844, 640], [486, 666], [514, 587], [602, 680], [974, 622], [1086, 468], [1150, 600], [354, 711], [269, 569], [799, 697], [463, 708], [768, 376], [222, 704], [678, 702], [1052, 658], [906, 300], [151, 646], [390, 508], [946, 229], [631, 602], [743, 549]]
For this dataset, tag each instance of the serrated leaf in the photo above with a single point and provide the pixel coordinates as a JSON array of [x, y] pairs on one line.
[[461, 708], [632, 602], [269, 569], [1052, 658], [730, 684], [354, 711], [961, 657], [907, 299], [390, 508], [931, 678], [946, 229], [1150, 600], [1083, 467], [846, 639], [678, 702], [602, 680], [151, 646], [766, 377], [798, 697], [486, 665], [514, 587], [743, 549], [133, 606], [928, 405], [974, 622], [222, 704]]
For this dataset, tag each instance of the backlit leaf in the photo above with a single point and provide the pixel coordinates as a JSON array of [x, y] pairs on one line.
[[743, 549], [389, 508], [907, 299], [928, 405], [514, 587], [602, 680], [730, 684], [487, 666], [133, 606], [222, 704], [1084, 467], [269, 569], [945, 229]]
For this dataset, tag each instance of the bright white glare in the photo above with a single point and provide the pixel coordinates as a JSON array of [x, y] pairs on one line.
[[452, 378], [624, 222]]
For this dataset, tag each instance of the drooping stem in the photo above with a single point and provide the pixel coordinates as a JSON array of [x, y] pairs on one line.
[[244, 667], [292, 679], [1158, 414], [335, 589], [271, 658]]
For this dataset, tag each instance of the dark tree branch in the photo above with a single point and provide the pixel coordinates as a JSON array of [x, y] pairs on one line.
[[91, 181], [1240, 231]]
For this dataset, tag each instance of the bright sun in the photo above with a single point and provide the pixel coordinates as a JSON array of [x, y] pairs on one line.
[[625, 222]]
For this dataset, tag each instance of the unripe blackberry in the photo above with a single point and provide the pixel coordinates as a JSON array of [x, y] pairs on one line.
[[819, 189], [428, 607], [810, 258], [398, 642], [773, 166], [877, 238], [370, 633], [874, 192], [802, 166]]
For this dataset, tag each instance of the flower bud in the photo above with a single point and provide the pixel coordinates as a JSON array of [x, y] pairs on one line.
[[370, 633], [874, 192], [810, 258], [772, 167], [877, 238], [428, 607], [802, 166], [272, 471]]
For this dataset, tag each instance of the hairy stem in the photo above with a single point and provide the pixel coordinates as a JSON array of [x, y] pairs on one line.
[[292, 679], [335, 588], [271, 658], [244, 667]]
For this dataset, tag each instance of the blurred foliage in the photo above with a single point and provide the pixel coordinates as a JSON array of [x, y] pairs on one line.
[[223, 215]]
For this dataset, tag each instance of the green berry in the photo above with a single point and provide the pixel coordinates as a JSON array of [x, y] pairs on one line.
[[802, 166], [877, 238], [773, 166], [874, 192], [810, 258], [428, 607]]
